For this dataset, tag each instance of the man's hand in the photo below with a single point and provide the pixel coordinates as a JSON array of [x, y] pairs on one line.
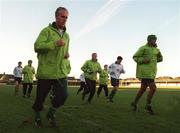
[[60, 43], [90, 72], [146, 60]]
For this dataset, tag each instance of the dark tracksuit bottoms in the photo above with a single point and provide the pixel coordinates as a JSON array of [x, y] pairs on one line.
[[28, 86], [82, 87], [91, 88], [43, 88], [100, 89]]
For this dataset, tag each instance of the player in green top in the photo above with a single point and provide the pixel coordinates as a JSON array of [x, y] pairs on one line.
[[103, 81], [147, 58], [51, 47], [91, 68], [28, 76]]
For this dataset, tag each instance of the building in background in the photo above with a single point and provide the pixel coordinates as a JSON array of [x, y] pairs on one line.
[[164, 81]]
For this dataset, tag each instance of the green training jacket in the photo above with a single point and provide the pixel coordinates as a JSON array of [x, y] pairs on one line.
[[90, 69], [147, 52], [28, 74], [103, 77], [50, 55]]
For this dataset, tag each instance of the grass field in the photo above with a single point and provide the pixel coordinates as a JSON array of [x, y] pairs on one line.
[[99, 117]]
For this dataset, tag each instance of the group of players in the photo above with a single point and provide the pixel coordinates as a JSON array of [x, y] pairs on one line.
[[89, 77], [52, 48], [27, 72]]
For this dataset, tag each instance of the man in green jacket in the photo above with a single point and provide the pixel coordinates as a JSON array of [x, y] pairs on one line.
[[28, 76], [51, 47], [146, 58], [103, 81], [90, 69]]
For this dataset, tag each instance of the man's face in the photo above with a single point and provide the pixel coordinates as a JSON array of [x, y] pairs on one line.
[[106, 67], [153, 42], [119, 61], [29, 63], [19, 64], [94, 56], [61, 18]]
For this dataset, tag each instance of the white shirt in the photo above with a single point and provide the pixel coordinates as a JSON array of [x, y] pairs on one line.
[[18, 72], [115, 70], [82, 79], [61, 31]]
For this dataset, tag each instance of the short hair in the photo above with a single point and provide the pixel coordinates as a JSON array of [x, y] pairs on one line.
[[119, 58], [19, 62], [94, 54], [151, 37], [29, 61], [105, 65], [59, 9]]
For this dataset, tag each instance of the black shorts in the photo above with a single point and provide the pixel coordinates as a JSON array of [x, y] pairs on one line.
[[114, 82], [19, 80], [147, 81]]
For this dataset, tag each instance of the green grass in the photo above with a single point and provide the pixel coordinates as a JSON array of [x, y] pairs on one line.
[[99, 117]]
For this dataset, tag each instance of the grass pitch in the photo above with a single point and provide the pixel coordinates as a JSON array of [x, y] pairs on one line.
[[16, 115]]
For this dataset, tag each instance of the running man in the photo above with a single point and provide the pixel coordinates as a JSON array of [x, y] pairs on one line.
[[103, 81], [90, 69], [18, 77], [28, 76], [51, 47], [82, 83], [147, 58], [115, 70]]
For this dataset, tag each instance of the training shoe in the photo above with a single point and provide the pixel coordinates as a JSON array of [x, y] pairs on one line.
[[134, 106], [28, 95], [38, 123], [149, 109], [110, 100], [51, 119]]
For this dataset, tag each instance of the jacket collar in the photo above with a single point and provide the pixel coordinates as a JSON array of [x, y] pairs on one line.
[[151, 45], [94, 60], [53, 26], [117, 63]]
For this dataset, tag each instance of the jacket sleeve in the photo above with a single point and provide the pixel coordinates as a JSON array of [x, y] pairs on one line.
[[99, 68], [123, 71], [110, 69], [33, 71], [68, 41], [138, 56], [43, 42], [85, 68], [68, 67], [159, 57]]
